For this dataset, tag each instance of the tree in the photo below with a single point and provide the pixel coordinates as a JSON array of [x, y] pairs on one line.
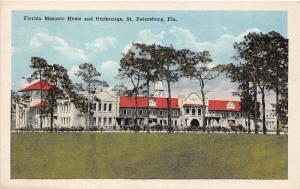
[[146, 56], [250, 50], [39, 65], [277, 58], [21, 101], [241, 74], [131, 68], [197, 67], [267, 57], [62, 85], [167, 69], [90, 76]]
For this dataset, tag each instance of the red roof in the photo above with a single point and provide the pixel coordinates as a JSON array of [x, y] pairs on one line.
[[40, 104], [224, 105], [40, 85], [142, 102]]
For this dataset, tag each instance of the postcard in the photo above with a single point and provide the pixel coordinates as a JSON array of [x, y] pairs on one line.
[[149, 94]]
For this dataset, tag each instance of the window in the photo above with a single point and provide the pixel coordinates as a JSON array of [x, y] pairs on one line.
[[99, 107], [199, 111], [124, 111], [129, 112], [94, 106], [104, 108], [99, 120], [175, 122], [187, 110], [145, 111], [104, 121], [140, 112], [94, 121], [193, 111], [109, 121], [161, 112], [109, 107], [165, 122], [160, 122], [165, 112]]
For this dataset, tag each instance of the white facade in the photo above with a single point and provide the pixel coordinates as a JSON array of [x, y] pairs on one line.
[[106, 111], [28, 115], [190, 110], [271, 119]]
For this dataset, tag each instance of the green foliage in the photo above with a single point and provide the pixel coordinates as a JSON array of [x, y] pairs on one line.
[[264, 65], [91, 82], [58, 76]]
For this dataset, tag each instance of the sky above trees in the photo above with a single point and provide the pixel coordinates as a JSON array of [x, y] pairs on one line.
[[71, 43]]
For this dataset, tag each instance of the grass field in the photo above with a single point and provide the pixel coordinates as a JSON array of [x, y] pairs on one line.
[[139, 155]]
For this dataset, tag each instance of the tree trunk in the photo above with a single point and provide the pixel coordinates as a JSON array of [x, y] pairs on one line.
[[263, 110], [277, 115], [249, 124], [148, 114], [255, 105], [203, 104], [169, 106], [89, 106], [52, 112], [41, 96], [136, 113]]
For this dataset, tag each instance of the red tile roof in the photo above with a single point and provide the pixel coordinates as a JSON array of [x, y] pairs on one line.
[[40, 104], [40, 85], [142, 102], [224, 105]]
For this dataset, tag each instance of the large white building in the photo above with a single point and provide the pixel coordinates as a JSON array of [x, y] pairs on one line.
[[114, 112]]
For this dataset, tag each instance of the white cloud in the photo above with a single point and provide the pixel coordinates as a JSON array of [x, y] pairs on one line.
[[251, 30], [126, 48], [108, 66], [58, 44], [109, 71], [148, 37], [102, 43], [184, 38]]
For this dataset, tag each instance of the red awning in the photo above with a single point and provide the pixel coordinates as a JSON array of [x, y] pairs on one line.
[[40, 85], [40, 104], [224, 105], [142, 102]]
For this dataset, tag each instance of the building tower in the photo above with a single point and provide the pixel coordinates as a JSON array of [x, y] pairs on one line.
[[159, 89]]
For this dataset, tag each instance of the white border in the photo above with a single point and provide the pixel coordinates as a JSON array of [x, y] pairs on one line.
[[294, 86]]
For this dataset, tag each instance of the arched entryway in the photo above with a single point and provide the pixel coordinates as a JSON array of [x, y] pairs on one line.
[[195, 123]]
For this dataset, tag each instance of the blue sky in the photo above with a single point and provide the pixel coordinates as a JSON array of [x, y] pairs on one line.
[[71, 43]]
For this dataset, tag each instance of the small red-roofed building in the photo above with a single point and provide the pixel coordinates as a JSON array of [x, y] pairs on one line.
[[225, 113], [29, 116]]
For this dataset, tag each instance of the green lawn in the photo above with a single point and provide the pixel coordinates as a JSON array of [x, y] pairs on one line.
[[139, 155]]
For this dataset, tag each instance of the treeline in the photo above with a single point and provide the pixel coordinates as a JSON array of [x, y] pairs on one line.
[[260, 63], [262, 67]]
